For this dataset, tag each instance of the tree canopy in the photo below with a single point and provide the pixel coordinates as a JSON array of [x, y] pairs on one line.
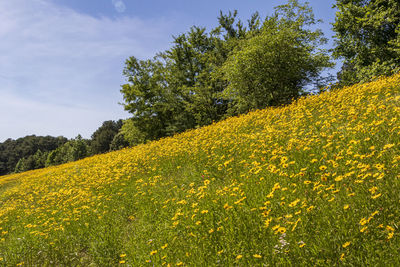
[[103, 136], [367, 39], [11, 151], [272, 65]]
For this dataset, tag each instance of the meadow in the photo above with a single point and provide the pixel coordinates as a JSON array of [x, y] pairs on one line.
[[314, 183]]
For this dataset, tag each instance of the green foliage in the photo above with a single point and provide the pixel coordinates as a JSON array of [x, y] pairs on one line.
[[73, 150], [12, 151], [175, 91], [118, 142], [233, 67], [273, 66], [32, 162], [367, 38], [103, 136], [131, 133]]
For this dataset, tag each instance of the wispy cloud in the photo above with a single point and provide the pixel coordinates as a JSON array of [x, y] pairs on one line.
[[119, 5], [59, 65]]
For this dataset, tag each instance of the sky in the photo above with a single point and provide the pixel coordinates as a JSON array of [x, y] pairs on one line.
[[61, 61]]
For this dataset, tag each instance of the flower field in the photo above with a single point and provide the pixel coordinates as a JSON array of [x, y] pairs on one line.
[[313, 183]]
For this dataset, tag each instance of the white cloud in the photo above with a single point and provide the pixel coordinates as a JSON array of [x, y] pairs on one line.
[[119, 5], [57, 65]]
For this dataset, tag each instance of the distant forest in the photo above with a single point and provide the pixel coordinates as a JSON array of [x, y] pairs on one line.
[[34, 152], [207, 76]]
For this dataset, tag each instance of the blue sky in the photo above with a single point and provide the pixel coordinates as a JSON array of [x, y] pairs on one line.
[[61, 61]]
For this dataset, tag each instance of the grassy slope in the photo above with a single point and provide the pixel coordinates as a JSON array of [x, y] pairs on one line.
[[313, 183]]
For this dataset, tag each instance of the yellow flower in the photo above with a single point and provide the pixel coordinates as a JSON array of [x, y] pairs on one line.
[[153, 252], [363, 229], [280, 230], [345, 245], [390, 235], [388, 146], [238, 257], [165, 246], [342, 257], [346, 206], [363, 221], [122, 255], [373, 189], [389, 228], [339, 178], [257, 256], [294, 203], [122, 262], [376, 196]]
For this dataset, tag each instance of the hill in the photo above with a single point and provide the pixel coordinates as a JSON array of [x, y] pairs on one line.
[[313, 183]]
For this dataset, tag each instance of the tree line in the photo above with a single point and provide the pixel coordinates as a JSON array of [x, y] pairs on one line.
[[34, 152], [236, 67]]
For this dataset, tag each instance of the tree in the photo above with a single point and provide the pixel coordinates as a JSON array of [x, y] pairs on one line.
[[367, 39], [273, 66], [118, 142], [103, 136], [32, 162], [74, 149], [132, 135]]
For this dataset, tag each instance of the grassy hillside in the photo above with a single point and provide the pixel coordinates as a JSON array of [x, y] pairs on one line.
[[313, 183]]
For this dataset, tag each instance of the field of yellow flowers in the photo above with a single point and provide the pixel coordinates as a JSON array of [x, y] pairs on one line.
[[313, 183]]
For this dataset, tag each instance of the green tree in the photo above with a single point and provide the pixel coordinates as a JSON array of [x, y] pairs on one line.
[[32, 162], [118, 142], [132, 135], [103, 136], [367, 39], [273, 66], [74, 149]]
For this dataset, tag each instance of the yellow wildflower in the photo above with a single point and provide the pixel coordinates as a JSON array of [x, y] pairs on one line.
[[345, 245], [376, 196]]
